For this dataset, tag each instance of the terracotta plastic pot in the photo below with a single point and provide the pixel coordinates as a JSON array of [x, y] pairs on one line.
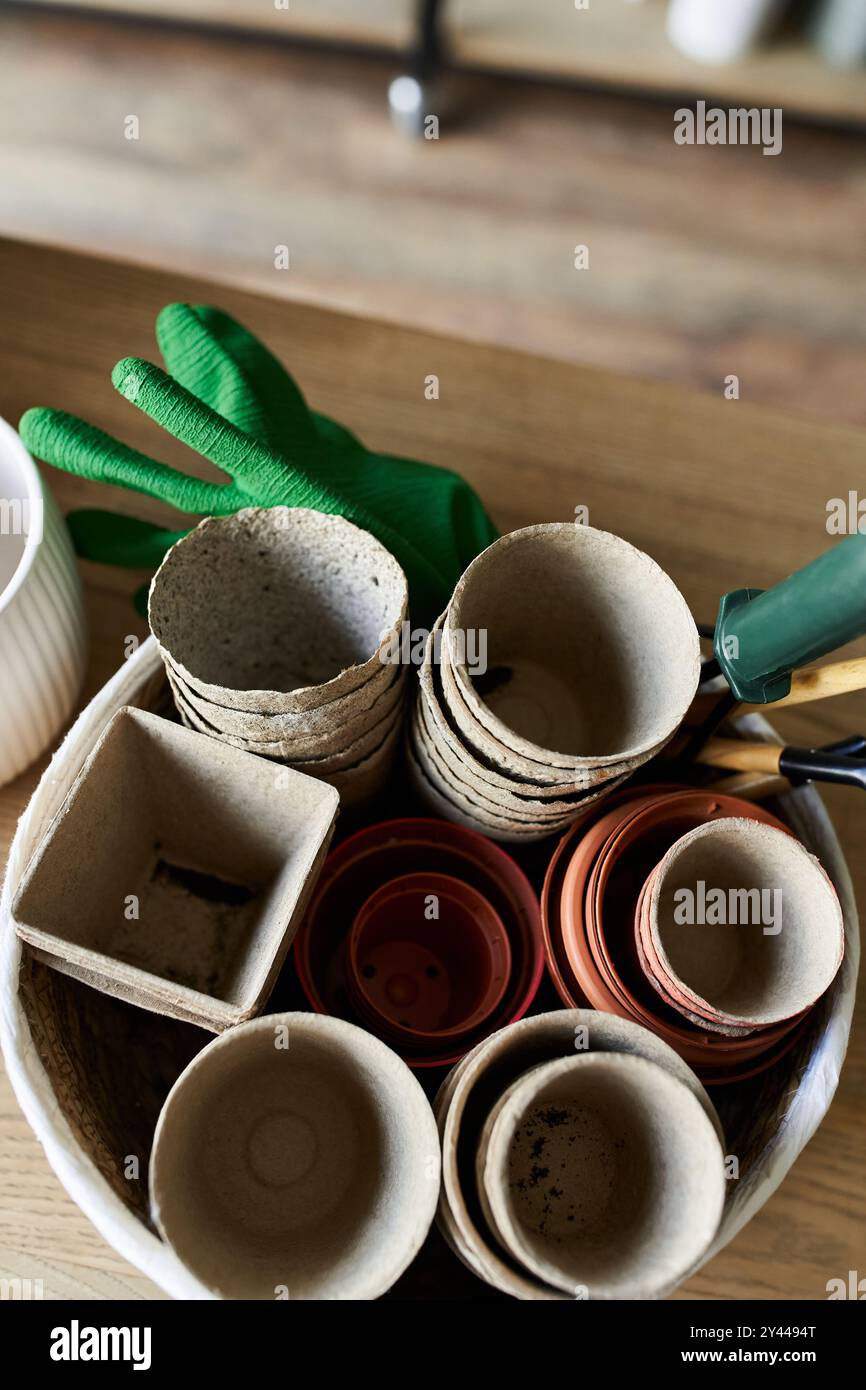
[[382, 852], [579, 874], [661, 822], [608, 974], [644, 833], [422, 978], [564, 980]]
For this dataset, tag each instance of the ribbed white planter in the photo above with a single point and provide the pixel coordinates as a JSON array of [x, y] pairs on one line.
[[43, 639], [54, 1064]]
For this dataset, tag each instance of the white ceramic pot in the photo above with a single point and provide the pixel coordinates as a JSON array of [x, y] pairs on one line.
[[43, 638], [714, 32]]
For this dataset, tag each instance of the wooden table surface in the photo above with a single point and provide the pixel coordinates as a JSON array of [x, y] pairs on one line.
[[721, 493]]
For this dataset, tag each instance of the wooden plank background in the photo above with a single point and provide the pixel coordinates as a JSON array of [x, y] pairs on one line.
[[721, 493], [703, 260]]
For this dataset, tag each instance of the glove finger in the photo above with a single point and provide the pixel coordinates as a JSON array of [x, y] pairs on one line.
[[217, 359], [66, 442]]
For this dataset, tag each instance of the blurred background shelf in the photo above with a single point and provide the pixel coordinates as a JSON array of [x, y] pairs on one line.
[[616, 43], [601, 45]]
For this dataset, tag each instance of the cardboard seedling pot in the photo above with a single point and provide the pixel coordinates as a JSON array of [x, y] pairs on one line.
[[364, 780], [473, 1087], [357, 779], [677, 999], [177, 871], [440, 798], [719, 1055], [501, 797], [666, 989], [679, 1002], [327, 741], [357, 752], [430, 755], [427, 979], [602, 873], [633, 1180], [365, 705], [443, 726], [276, 610], [743, 974], [488, 747], [597, 647], [385, 851], [296, 1157]]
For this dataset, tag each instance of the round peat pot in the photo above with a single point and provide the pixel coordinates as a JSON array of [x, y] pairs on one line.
[[277, 611], [746, 974], [473, 1088], [295, 1153], [595, 652], [429, 960], [668, 988], [638, 1176]]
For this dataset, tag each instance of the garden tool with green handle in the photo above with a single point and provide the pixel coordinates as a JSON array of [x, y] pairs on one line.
[[762, 637], [229, 399]]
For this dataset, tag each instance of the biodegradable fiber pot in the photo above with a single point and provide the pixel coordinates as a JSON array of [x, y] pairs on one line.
[[276, 610], [296, 1157], [507, 788], [594, 652], [423, 978], [339, 720], [443, 800], [753, 973], [602, 1175], [470, 1091], [176, 872]]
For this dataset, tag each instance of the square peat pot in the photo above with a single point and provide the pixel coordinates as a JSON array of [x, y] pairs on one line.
[[177, 871]]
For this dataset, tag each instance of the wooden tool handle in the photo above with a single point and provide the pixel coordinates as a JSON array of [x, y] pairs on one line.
[[819, 683], [744, 757], [813, 683]]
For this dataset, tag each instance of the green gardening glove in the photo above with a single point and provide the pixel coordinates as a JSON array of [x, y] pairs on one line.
[[230, 400]]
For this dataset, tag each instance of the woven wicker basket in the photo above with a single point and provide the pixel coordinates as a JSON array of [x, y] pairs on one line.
[[91, 1072]]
